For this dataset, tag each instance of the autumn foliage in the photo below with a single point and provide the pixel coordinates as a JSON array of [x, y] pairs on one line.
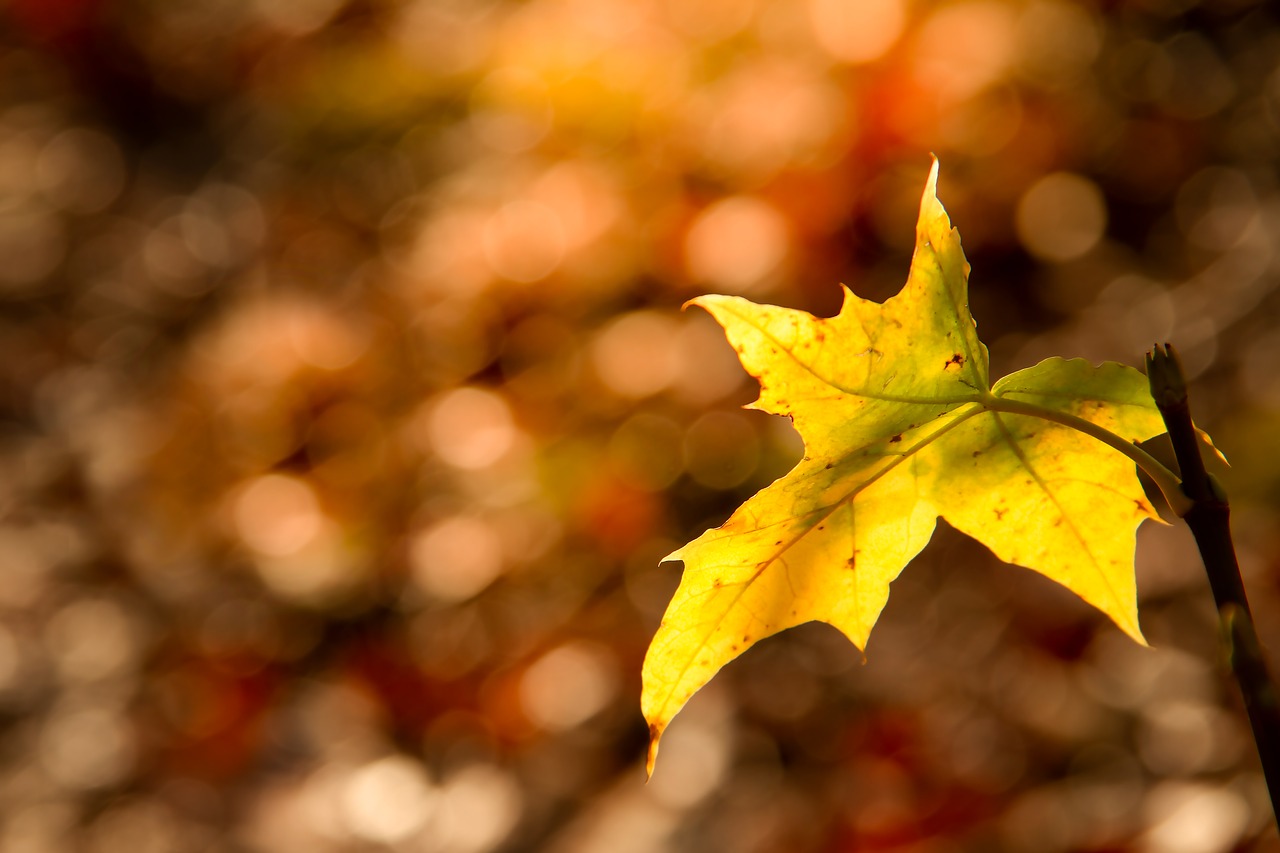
[[902, 425]]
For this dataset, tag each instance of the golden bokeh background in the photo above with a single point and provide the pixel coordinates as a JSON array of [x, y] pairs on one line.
[[347, 407]]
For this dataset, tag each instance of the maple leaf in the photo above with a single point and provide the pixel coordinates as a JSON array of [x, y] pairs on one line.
[[901, 426]]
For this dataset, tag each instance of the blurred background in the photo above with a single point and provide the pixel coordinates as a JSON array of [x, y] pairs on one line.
[[347, 407]]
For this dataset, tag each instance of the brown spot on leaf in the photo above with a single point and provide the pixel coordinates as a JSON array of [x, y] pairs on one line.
[[896, 439], [957, 360], [999, 513]]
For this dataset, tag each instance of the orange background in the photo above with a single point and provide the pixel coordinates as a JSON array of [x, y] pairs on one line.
[[346, 408]]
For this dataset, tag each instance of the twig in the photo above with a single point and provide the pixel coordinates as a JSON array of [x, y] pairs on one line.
[[1209, 520]]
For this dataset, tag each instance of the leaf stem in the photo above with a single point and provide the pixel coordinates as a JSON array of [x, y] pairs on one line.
[[1168, 482]]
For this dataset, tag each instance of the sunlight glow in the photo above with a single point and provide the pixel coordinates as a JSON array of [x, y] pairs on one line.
[[470, 428], [388, 800], [1061, 217], [634, 355], [524, 242], [857, 32], [735, 244], [277, 515], [456, 558], [568, 685]]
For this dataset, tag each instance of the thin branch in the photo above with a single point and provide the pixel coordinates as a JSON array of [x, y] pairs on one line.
[[1209, 520]]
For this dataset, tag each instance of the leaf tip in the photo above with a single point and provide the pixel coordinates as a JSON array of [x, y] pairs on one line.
[[934, 223], [931, 185], [848, 298], [1128, 622], [651, 758]]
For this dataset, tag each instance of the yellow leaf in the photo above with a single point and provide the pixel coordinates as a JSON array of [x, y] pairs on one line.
[[901, 426]]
